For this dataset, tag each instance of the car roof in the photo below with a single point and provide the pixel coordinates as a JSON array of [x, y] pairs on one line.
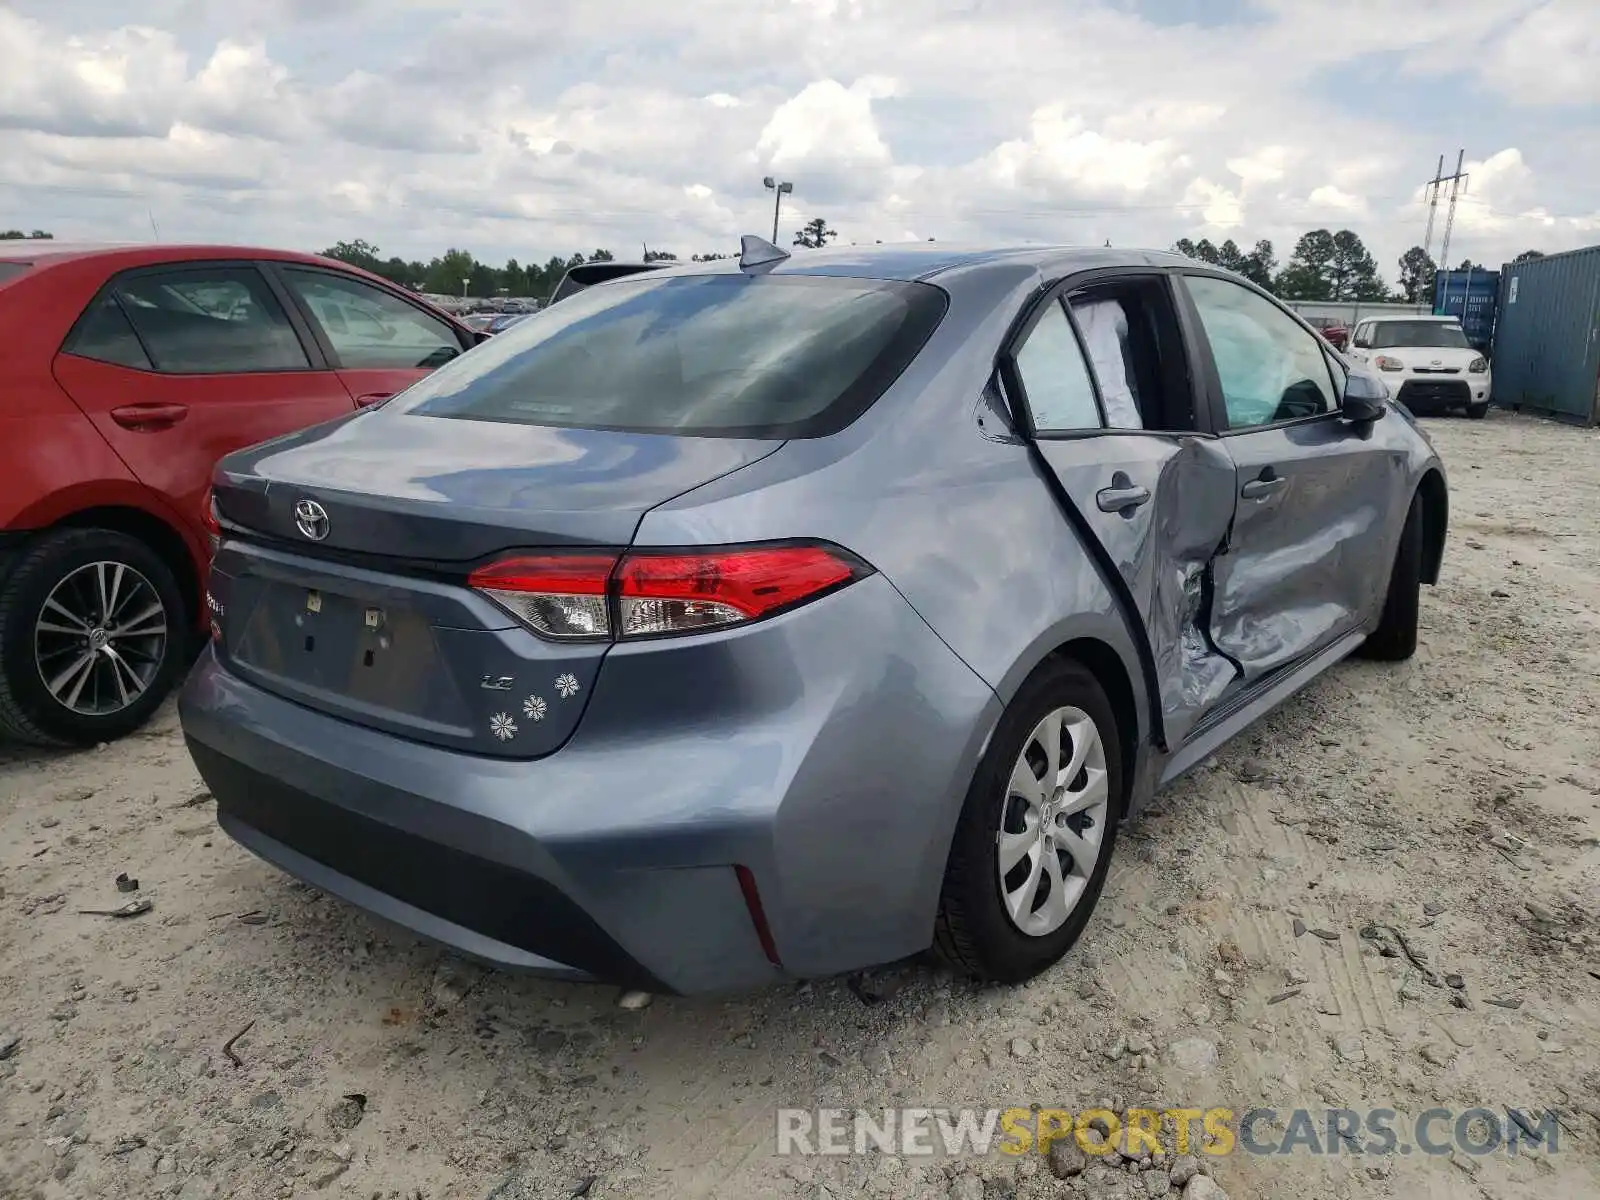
[[924, 260], [45, 251]]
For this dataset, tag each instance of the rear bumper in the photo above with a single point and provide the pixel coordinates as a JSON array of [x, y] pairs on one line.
[[827, 751]]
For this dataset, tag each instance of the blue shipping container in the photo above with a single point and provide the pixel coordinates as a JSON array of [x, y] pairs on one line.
[[1547, 339], [1471, 297]]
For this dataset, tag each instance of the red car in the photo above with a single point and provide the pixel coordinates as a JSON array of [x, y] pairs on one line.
[[129, 372]]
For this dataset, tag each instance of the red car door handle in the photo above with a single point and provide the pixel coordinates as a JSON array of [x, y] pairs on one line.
[[149, 416], [372, 398]]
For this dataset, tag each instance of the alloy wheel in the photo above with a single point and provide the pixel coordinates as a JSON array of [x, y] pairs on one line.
[[100, 638], [1053, 821]]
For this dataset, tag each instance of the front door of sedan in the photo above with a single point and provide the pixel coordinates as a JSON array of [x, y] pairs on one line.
[[378, 342], [1151, 506], [1308, 556]]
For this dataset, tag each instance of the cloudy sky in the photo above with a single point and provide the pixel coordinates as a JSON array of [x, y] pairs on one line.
[[522, 129]]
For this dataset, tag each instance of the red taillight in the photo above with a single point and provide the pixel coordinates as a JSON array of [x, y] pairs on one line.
[[649, 593], [210, 518], [559, 595], [678, 593]]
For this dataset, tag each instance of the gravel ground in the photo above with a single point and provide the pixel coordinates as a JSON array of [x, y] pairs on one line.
[[1454, 799]]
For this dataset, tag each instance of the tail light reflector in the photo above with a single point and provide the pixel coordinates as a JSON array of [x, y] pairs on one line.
[[650, 593]]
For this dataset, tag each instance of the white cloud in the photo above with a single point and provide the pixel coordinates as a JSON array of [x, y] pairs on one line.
[[1061, 152], [526, 131], [1331, 198]]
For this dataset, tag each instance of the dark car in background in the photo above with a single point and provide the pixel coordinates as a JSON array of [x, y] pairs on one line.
[[129, 372]]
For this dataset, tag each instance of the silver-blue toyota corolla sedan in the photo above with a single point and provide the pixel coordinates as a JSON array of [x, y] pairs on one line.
[[778, 617]]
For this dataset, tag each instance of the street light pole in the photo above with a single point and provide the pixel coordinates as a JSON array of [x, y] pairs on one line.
[[778, 189]]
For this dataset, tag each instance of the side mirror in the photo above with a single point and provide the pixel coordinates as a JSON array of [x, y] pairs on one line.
[[1365, 397]]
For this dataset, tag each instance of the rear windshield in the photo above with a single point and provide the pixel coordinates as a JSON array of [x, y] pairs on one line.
[[10, 270], [1418, 333], [767, 356]]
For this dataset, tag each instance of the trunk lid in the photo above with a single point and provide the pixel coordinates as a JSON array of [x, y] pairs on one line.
[[373, 622], [442, 489]]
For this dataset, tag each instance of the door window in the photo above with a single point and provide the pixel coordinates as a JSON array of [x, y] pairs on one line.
[[1056, 377], [204, 321], [1270, 368], [370, 328]]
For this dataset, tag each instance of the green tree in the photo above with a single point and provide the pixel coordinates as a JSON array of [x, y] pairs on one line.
[[1307, 274], [714, 256], [1256, 265], [660, 256], [1416, 275], [1354, 272], [485, 280], [815, 234], [1331, 266], [602, 256], [1528, 256], [358, 253], [1260, 265], [445, 274]]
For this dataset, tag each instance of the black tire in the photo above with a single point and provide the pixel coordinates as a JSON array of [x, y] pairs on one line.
[[973, 933], [1478, 411], [28, 711], [1395, 638]]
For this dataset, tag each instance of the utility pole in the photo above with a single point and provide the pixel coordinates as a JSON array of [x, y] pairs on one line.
[[1457, 182], [1433, 205], [778, 189]]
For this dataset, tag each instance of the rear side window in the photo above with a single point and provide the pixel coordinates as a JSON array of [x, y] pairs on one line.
[[766, 356], [209, 321], [105, 334]]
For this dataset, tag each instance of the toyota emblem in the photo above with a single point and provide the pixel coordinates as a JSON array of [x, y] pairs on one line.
[[311, 519]]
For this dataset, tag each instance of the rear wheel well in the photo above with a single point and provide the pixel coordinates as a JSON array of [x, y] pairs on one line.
[[1105, 665], [1435, 518], [162, 538]]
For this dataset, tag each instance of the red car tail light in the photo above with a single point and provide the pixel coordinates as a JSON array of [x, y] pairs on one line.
[[560, 596], [679, 593], [648, 593], [211, 519]]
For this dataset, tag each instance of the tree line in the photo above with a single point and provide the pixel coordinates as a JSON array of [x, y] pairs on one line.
[[454, 270], [1329, 266], [1324, 265]]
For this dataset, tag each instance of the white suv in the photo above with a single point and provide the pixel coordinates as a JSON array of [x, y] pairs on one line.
[[1426, 361]]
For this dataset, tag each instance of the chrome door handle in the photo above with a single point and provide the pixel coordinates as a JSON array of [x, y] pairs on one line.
[[1122, 499], [1260, 489]]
